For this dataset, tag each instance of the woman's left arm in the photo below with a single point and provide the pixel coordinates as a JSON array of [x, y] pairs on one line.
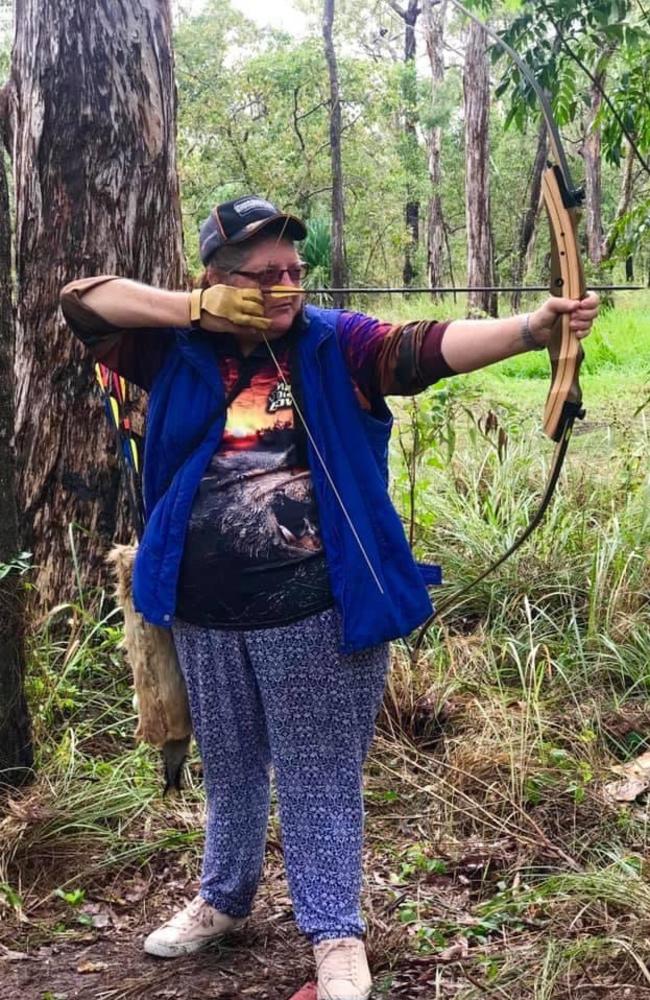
[[468, 344]]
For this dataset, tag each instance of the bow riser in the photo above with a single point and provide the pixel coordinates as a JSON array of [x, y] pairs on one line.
[[564, 401]]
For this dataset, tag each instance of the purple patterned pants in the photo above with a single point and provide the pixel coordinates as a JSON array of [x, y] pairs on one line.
[[284, 698]]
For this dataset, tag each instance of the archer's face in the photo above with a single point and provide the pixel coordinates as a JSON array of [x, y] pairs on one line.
[[273, 262]]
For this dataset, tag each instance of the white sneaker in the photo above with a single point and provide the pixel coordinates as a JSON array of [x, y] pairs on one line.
[[342, 968], [190, 929]]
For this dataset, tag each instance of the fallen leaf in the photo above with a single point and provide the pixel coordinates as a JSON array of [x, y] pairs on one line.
[[137, 891], [625, 791], [636, 780], [92, 967], [97, 915], [640, 765]]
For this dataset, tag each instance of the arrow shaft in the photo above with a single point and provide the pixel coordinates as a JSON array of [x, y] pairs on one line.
[[450, 290]]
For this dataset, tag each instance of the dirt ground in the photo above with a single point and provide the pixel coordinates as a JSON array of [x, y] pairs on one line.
[[96, 953], [105, 959]]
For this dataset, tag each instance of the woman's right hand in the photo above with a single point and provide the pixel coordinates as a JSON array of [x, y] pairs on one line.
[[241, 307]]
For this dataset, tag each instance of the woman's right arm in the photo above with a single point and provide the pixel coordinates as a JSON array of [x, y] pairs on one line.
[[127, 304], [126, 326], [129, 326]]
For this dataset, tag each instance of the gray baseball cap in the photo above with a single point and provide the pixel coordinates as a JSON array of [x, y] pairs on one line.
[[238, 220]]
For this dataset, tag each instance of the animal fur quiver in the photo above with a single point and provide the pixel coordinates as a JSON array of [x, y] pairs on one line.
[[160, 692]]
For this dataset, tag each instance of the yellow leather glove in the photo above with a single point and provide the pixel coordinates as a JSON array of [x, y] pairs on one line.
[[241, 306]]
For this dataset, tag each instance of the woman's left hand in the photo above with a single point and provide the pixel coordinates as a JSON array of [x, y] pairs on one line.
[[583, 314]]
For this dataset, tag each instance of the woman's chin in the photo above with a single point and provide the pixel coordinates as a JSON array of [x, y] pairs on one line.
[[281, 321]]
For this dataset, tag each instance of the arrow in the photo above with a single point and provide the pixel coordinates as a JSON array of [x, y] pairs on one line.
[[283, 290]]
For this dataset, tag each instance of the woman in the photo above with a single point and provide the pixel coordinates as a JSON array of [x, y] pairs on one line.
[[273, 551]]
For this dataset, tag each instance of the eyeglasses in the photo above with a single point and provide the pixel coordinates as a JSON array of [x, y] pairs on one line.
[[274, 275]]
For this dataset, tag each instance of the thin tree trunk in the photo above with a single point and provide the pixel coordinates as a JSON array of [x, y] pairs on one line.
[[94, 109], [410, 152], [531, 213], [15, 741], [412, 205], [622, 209], [434, 23], [339, 270], [476, 91], [591, 152]]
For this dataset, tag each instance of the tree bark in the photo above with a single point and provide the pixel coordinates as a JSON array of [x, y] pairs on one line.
[[531, 213], [476, 98], [434, 22], [15, 741], [591, 152], [94, 117], [339, 269]]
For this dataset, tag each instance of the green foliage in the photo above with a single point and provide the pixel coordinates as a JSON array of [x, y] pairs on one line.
[[253, 116], [10, 897], [257, 120], [316, 251], [628, 95], [74, 898], [568, 46]]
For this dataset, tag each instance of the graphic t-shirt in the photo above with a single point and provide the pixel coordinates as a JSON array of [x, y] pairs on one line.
[[253, 553]]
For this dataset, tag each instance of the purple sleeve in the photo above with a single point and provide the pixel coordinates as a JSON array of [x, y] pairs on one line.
[[387, 359]]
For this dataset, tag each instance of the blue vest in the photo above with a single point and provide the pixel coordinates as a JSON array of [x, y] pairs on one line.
[[354, 447]]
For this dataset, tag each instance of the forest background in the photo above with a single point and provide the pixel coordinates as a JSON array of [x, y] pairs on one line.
[[502, 860]]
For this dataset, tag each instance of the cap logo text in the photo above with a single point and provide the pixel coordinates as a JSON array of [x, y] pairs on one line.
[[247, 205]]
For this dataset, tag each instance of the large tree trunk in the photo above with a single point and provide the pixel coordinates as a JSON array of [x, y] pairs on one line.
[[339, 270], [15, 746], [476, 92], [93, 120], [434, 22]]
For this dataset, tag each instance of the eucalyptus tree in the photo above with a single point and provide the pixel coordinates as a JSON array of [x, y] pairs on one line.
[[253, 116], [90, 114]]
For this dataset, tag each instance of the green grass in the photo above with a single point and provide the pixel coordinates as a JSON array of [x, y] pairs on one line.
[[615, 375]]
